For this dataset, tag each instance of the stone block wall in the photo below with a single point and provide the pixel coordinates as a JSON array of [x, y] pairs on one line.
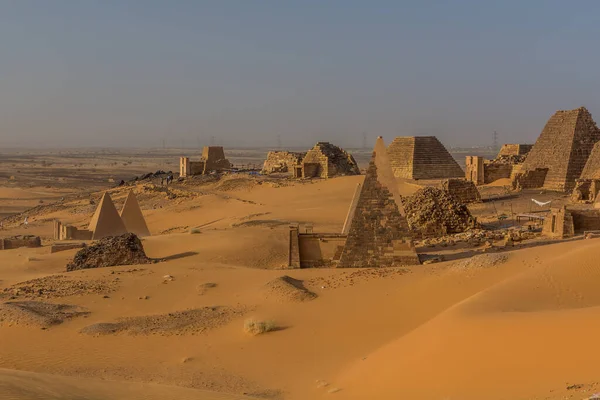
[[463, 190], [585, 220], [69, 232], [474, 170], [294, 247], [282, 161], [530, 179], [313, 170], [16, 242], [495, 171], [585, 191], [558, 223], [190, 168], [514, 150], [320, 249]]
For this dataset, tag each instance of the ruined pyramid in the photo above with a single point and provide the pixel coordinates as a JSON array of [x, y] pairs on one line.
[[132, 217], [562, 150], [378, 234], [422, 157], [106, 220]]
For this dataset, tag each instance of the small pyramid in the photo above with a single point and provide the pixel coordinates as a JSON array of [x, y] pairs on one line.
[[106, 220], [378, 235], [132, 217]]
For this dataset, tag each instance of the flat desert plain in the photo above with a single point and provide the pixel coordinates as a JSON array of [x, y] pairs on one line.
[[522, 323]]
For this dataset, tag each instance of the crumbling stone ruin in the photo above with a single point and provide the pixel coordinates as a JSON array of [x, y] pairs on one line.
[[434, 212], [213, 159], [562, 222], [461, 189], [325, 160], [585, 191], [422, 157], [15, 242], [514, 151], [378, 235], [507, 164], [110, 251], [282, 162], [560, 153], [587, 186]]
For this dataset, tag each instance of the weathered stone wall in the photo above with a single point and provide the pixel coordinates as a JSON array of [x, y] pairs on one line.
[[461, 189], [558, 223], [474, 170], [55, 248], [495, 171], [294, 250], [16, 242], [313, 170], [585, 191], [530, 179], [333, 161], [585, 220], [320, 249], [282, 161], [422, 157], [563, 148], [69, 232], [514, 150]]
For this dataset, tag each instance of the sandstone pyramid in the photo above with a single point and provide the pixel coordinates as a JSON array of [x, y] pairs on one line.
[[422, 157], [106, 220], [378, 235], [563, 149], [592, 166], [132, 217]]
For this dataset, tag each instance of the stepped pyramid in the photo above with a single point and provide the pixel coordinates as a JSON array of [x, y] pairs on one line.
[[132, 216], [106, 220], [563, 148], [378, 234], [422, 157]]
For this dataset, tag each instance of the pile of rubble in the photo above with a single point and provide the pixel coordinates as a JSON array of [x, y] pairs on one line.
[[111, 251], [432, 212], [478, 237], [150, 175]]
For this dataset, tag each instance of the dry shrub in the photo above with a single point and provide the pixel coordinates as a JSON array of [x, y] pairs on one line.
[[255, 327]]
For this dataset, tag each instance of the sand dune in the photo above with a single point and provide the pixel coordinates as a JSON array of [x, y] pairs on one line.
[[512, 325], [20, 385], [529, 335]]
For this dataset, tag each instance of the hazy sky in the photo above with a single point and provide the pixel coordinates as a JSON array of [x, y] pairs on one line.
[[132, 73]]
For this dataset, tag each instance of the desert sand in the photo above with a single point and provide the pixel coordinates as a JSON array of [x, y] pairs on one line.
[[520, 324]]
